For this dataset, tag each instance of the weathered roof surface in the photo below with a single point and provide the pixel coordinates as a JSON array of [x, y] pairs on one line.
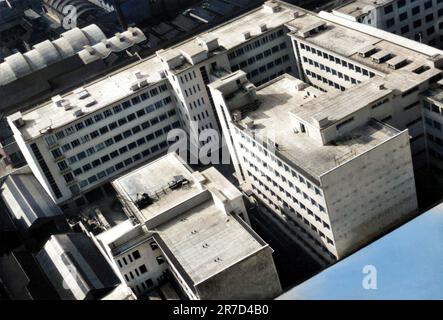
[[201, 237], [26, 200], [357, 8], [272, 120], [408, 263]]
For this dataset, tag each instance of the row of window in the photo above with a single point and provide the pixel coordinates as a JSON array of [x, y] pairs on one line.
[[273, 76], [433, 124], [259, 57], [192, 90], [50, 140], [135, 255], [57, 152], [325, 80], [432, 107], [415, 10], [301, 204], [337, 60], [274, 159], [49, 177], [338, 73], [296, 223], [402, 3], [188, 77], [436, 140], [268, 67], [119, 166], [256, 44], [116, 153], [124, 135]]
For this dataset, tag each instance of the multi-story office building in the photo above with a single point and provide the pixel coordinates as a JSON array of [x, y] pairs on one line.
[[433, 122], [77, 142], [419, 20], [320, 163], [81, 140], [193, 227]]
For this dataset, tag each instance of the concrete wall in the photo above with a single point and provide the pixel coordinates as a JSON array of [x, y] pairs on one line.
[[370, 194], [254, 278]]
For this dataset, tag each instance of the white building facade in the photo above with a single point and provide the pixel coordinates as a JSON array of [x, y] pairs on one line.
[[333, 196], [419, 20], [82, 140]]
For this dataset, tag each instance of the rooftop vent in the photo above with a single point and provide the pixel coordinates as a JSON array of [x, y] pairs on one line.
[[57, 100], [106, 43], [141, 81], [313, 29], [78, 113], [133, 31], [381, 56], [90, 50], [397, 62], [89, 102], [236, 115], [367, 51], [247, 35], [178, 182], [81, 93], [120, 37], [263, 27], [249, 123], [271, 7], [162, 74], [143, 201], [296, 14], [421, 69], [17, 119]]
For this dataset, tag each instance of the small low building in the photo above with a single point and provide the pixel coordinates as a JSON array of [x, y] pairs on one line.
[[190, 229], [76, 267], [30, 208]]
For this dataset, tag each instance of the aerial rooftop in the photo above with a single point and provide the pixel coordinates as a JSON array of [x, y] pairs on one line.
[[341, 36], [154, 179], [202, 236], [272, 120], [357, 8]]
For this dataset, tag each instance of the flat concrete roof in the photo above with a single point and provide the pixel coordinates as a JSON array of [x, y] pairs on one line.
[[335, 106], [359, 7], [205, 241], [203, 238], [435, 93], [272, 120], [154, 179], [349, 38], [342, 36], [106, 91], [116, 86]]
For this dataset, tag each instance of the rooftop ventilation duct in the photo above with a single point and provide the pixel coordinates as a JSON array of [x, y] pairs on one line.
[[77, 113], [90, 50], [263, 27], [247, 35], [17, 119]]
